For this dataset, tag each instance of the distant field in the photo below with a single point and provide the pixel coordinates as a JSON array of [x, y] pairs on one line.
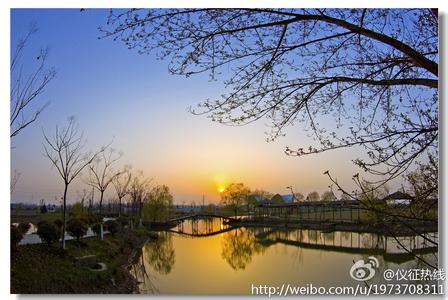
[[33, 216]]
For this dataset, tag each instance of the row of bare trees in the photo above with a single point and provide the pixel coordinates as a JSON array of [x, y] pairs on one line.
[[65, 149]]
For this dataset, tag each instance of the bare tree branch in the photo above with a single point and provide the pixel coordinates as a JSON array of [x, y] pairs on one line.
[[26, 91], [373, 73], [65, 151], [101, 172]]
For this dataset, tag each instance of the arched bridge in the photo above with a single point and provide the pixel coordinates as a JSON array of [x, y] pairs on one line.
[[201, 216], [201, 225]]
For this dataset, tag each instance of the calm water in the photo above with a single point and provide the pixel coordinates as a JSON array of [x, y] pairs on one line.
[[195, 260]]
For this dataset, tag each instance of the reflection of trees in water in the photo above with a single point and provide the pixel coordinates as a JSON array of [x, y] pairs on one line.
[[328, 237], [238, 247], [157, 255], [366, 240], [372, 241], [312, 236], [138, 269], [160, 254]]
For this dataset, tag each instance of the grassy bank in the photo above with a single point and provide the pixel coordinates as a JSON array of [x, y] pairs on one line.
[[39, 269]]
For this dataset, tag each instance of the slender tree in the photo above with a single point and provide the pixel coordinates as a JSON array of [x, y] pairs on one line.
[[65, 151], [296, 196], [101, 172], [83, 197], [138, 192], [121, 184], [91, 198]]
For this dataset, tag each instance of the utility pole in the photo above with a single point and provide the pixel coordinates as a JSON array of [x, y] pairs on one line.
[[292, 192], [203, 203]]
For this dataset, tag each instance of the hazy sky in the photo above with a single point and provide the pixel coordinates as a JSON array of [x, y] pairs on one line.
[[118, 94]]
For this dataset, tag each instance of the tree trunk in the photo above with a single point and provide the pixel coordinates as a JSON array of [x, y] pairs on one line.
[[64, 199], [119, 207], [140, 210], [101, 202], [133, 208]]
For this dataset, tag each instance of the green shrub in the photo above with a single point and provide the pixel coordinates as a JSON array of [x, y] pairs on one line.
[[96, 228], [112, 226], [94, 219], [77, 228], [78, 211], [123, 221], [85, 220], [48, 232], [58, 223]]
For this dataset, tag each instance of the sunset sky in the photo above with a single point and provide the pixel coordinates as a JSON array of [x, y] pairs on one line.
[[117, 94]]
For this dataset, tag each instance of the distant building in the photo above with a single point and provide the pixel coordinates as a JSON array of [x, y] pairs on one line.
[[288, 198], [277, 198], [260, 198], [187, 208], [398, 198]]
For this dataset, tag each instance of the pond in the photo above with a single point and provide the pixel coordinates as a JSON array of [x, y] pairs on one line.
[[207, 257]]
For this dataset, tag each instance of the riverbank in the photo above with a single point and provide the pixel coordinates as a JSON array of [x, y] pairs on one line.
[[39, 269]]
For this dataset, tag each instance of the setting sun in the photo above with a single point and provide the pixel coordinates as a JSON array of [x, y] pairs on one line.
[[221, 189]]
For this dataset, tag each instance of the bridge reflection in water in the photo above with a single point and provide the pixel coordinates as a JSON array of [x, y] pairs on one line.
[[393, 248], [396, 247], [180, 259]]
